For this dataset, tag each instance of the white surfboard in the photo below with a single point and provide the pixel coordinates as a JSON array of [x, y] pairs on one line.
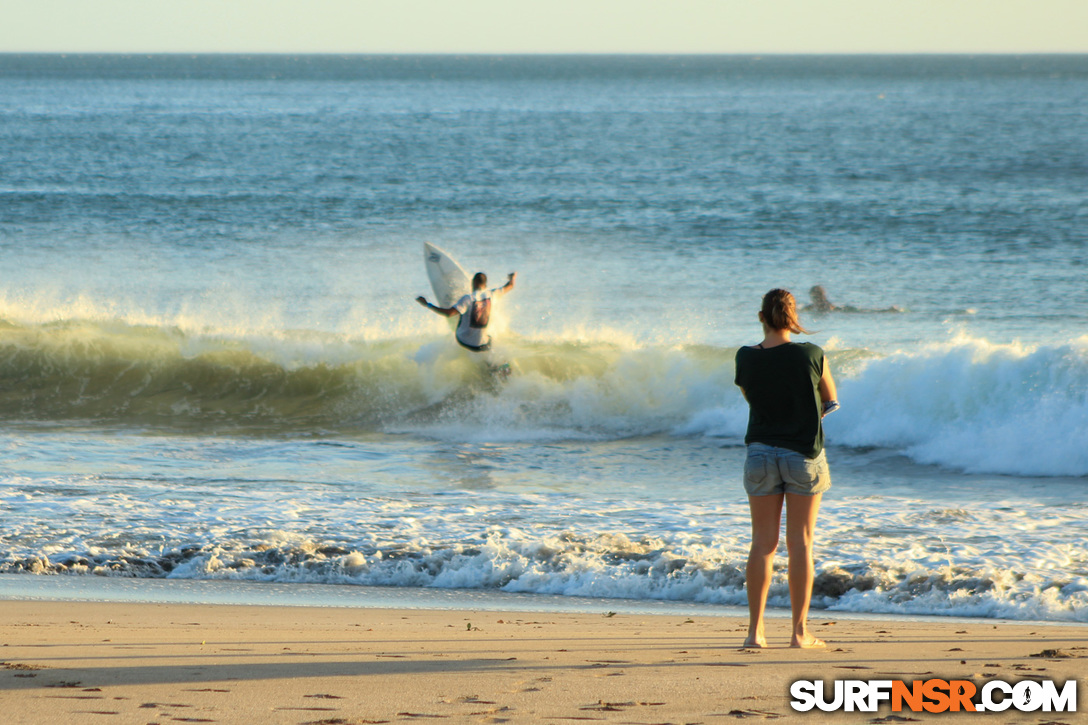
[[448, 280]]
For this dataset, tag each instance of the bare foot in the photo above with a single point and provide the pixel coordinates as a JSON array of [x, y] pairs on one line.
[[807, 641], [756, 642]]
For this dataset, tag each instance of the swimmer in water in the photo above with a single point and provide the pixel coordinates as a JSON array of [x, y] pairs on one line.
[[821, 304]]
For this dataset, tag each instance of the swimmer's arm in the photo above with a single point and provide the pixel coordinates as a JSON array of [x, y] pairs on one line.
[[446, 311]]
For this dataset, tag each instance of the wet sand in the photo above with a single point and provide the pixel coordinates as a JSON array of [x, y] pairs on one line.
[[77, 662]]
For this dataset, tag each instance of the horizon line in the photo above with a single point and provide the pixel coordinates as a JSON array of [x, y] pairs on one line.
[[554, 54]]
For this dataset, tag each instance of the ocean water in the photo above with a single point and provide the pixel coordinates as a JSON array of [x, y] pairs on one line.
[[212, 366]]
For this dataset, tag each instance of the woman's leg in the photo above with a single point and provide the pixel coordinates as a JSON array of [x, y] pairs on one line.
[[801, 514], [766, 520]]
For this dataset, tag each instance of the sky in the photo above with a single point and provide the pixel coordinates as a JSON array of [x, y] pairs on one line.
[[544, 26]]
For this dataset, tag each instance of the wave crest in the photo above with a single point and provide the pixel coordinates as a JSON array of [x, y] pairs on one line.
[[298, 381]]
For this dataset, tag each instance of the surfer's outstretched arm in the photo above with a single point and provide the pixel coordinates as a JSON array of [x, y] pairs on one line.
[[509, 284], [445, 311]]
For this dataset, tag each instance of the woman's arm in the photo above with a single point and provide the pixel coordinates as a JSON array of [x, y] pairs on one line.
[[828, 394], [827, 384]]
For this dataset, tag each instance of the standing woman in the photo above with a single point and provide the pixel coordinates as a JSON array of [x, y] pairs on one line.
[[789, 388]]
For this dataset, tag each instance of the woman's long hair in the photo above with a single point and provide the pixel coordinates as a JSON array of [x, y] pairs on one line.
[[780, 311]]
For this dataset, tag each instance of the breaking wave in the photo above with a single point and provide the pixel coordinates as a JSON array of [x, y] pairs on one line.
[[966, 404], [298, 381]]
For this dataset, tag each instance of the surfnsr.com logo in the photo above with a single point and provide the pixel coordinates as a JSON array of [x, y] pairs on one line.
[[934, 695]]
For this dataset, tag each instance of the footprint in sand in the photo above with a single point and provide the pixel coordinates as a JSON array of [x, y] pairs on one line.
[[603, 706], [1055, 654], [764, 714], [532, 685]]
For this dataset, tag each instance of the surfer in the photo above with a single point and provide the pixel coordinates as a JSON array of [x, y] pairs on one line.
[[789, 388], [475, 311]]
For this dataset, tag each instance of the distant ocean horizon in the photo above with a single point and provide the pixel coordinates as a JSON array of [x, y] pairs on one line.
[[212, 365], [446, 66]]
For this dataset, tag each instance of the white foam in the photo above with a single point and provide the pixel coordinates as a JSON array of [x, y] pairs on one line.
[[1013, 559], [974, 405]]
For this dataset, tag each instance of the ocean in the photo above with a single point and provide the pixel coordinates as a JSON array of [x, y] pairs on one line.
[[212, 366]]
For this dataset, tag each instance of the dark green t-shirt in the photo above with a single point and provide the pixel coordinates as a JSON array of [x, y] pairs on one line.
[[782, 387]]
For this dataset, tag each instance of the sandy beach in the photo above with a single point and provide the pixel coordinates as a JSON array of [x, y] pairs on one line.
[[78, 662]]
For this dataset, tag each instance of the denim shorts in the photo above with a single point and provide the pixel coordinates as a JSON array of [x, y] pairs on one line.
[[770, 470]]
